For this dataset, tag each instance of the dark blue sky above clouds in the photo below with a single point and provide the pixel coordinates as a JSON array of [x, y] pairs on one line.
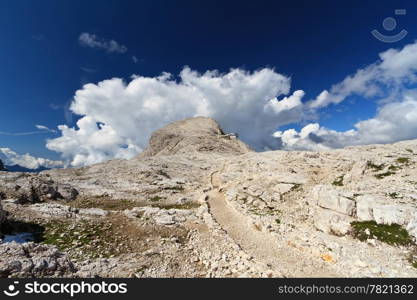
[[315, 43]]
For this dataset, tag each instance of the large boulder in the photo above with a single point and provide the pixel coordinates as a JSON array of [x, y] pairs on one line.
[[198, 134], [327, 197]]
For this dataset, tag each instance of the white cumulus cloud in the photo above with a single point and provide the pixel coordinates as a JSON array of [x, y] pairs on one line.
[[391, 81], [393, 122], [9, 157], [386, 78], [93, 41], [117, 118]]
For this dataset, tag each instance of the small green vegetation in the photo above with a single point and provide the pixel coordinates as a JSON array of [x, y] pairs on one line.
[[278, 221], [393, 168], [93, 240], [103, 202], [393, 234], [264, 212], [412, 258], [155, 199], [174, 188], [385, 174], [413, 262], [296, 187], [188, 205], [375, 167], [394, 195], [338, 181], [163, 173], [403, 160], [409, 150]]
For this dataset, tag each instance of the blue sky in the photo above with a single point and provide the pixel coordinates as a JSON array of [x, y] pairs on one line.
[[315, 43]]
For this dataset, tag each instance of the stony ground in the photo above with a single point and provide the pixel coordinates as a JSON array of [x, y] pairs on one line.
[[200, 203]]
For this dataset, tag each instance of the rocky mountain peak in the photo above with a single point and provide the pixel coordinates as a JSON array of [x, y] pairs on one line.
[[199, 134]]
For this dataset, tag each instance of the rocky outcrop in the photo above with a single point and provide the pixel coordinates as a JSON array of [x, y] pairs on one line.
[[2, 213], [33, 260], [199, 134], [28, 188], [336, 209], [2, 168]]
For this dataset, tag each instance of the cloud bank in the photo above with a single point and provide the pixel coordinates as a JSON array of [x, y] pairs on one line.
[[394, 122], [93, 41], [118, 118], [391, 81], [9, 157]]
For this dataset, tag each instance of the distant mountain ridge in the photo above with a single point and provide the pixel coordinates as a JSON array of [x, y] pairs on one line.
[[19, 168]]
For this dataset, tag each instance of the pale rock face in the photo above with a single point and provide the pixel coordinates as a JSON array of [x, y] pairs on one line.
[[364, 207], [332, 222], [327, 197], [412, 226], [390, 214]]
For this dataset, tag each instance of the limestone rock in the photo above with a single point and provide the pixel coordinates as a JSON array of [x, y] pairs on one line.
[[199, 134], [33, 260], [332, 222], [327, 197], [33, 188]]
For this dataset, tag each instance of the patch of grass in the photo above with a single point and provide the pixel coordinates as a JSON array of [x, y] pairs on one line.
[[155, 199], [385, 174], [394, 195], [174, 188], [278, 221], [92, 239], [403, 160], [412, 258], [296, 187], [375, 167], [163, 173], [103, 202], [259, 212], [393, 234], [409, 150], [393, 168], [188, 205], [338, 181]]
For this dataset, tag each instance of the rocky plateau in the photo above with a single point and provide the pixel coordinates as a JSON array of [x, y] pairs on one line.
[[198, 202]]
